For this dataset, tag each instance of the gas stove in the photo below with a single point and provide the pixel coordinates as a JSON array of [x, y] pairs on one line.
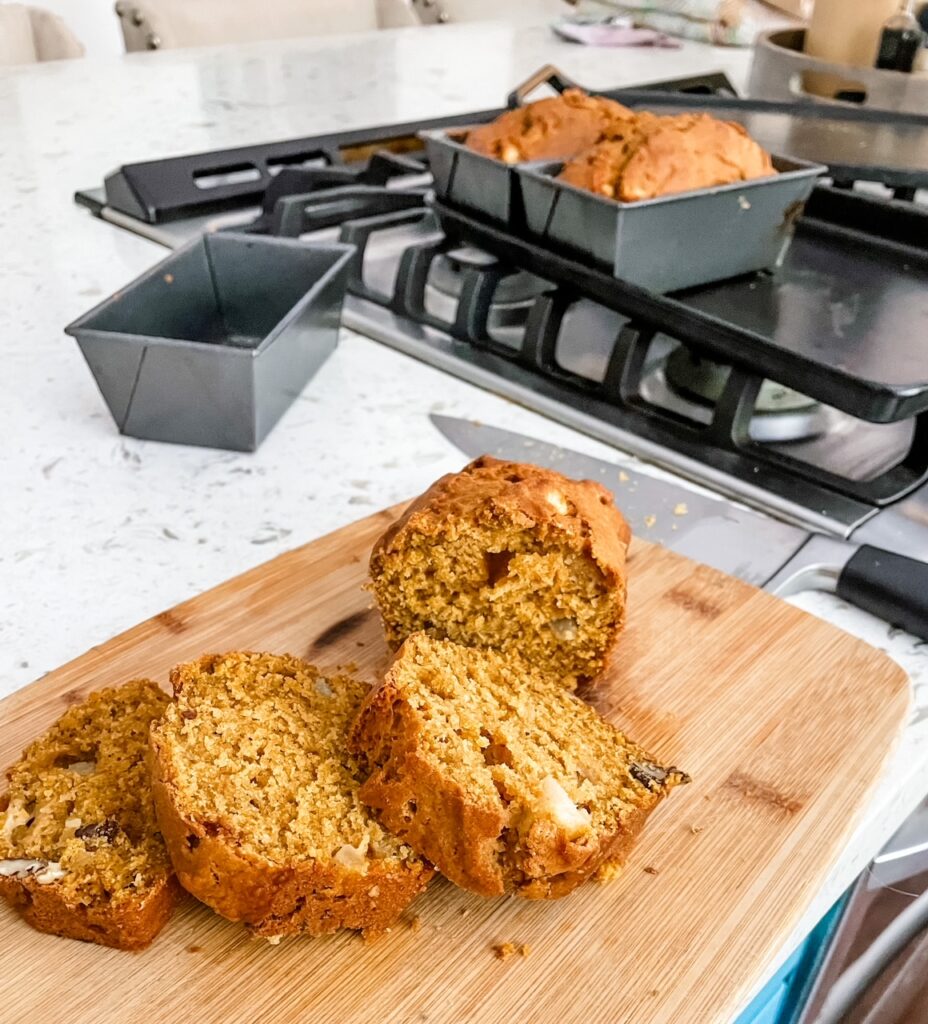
[[804, 393]]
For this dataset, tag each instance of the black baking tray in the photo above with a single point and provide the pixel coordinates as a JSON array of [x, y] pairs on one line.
[[844, 319]]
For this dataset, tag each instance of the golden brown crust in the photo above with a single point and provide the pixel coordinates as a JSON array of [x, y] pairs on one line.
[[130, 926], [549, 129], [387, 733], [658, 156], [490, 491], [469, 834]]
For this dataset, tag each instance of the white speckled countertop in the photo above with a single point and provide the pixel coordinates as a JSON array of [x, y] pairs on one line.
[[98, 532]]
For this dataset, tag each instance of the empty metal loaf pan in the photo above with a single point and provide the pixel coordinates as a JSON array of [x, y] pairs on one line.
[[472, 180], [213, 344], [674, 241]]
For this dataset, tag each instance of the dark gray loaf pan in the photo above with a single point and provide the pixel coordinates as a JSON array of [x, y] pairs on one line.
[[472, 180], [674, 241], [212, 345]]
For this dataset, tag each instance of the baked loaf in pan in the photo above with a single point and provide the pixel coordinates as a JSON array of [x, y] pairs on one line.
[[549, 129], [500, 777], [80, 850], [258, 800], [651, 156], [509, 556]]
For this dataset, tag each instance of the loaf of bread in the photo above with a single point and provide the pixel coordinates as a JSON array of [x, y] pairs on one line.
[[653, 156], [80, 850], [501, 778], [509, 556], [550, 129], [258, 800]]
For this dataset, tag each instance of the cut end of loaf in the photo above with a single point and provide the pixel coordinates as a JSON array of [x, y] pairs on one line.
[[511, 557]]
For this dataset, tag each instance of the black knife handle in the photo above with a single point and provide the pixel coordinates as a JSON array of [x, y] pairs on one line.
[[891, 586]]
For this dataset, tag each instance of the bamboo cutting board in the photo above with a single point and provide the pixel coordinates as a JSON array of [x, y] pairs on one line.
[[783, 721]]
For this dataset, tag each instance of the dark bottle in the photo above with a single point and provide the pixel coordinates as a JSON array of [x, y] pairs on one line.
[[899, 40]]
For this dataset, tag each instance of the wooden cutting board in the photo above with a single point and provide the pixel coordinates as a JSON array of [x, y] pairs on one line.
[[783, 721]]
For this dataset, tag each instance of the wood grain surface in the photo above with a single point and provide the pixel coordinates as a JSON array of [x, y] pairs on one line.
[[783, 721]]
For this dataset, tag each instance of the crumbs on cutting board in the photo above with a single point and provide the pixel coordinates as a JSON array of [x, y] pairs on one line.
[[649, 869], [696, 829], [504, 950]]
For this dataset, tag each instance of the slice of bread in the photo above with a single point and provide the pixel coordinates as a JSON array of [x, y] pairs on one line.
[[500, 777], [508, 556], [258, 800], [80, 851]]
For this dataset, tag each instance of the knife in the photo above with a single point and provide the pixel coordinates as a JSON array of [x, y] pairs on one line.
[[757, 548]]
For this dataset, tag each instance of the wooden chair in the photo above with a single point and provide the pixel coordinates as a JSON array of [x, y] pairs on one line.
[[171, 24], [31, 34]]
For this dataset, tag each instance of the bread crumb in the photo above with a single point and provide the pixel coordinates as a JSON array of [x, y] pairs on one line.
[[464, 911], [608, 870], [649, 869], [680, 509], [623, 476], [274, 940], [504, 950], [194, 949], [416, 923], [695, 829], [649, 521], [169, 279]]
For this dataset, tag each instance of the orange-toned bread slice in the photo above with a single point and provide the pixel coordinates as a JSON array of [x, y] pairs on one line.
[[258, 800], [80, 850], [500, 777]]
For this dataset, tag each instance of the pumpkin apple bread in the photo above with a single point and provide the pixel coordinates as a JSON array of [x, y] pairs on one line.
[[80, 851], [650, 156], [549, 129], [499, 776], [258, 800], [509, 556]]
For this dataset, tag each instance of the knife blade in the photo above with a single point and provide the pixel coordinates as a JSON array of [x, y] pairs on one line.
[[755, 547]]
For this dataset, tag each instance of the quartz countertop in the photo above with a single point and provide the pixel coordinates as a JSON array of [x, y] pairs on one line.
[[100, 531]]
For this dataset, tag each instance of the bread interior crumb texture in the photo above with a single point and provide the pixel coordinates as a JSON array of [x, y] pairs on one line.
[[78, 810], [258, 747]]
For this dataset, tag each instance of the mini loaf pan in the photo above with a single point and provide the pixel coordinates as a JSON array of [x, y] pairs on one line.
[[674, 241], [473, 180], [212, 345]]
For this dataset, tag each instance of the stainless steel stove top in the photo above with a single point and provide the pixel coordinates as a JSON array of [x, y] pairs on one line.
[[672, 379]]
